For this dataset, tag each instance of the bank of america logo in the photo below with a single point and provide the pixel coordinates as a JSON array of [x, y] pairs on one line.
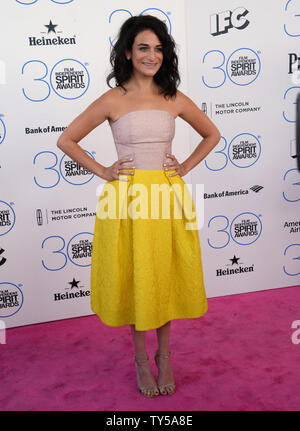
[[256, 188]]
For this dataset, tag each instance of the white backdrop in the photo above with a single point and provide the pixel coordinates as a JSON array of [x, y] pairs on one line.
[[238, 67], [54, 64]]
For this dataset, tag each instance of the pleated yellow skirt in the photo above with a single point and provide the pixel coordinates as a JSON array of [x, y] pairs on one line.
[[146, 266]]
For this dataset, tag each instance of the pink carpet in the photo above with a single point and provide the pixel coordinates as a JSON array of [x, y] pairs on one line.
[[238, 357]]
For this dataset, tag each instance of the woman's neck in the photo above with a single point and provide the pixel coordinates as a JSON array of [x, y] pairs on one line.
[[142, 85]]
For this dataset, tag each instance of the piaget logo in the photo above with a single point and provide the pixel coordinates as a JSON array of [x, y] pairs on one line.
[[52, 37]]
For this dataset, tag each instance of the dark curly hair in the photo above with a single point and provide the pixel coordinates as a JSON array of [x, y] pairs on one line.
[[167, 77]]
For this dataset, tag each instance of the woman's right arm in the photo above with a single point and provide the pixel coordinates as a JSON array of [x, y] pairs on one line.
[[94, 115]]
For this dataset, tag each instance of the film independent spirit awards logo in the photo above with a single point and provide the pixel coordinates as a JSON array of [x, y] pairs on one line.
[[246, 228], [7, 218], [11, 299], [243, 65], [69, 77]]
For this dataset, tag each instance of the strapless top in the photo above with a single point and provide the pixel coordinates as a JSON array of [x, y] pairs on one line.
[[145, 135]]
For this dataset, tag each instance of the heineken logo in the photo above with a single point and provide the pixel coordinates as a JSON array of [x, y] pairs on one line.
[[78, 292], [51, 36], [235, 267]]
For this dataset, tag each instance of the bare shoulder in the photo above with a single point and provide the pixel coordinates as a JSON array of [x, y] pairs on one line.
[[106, 101], [113, 94], [190, 112], [113, 99], [95, 114], [184, 104]]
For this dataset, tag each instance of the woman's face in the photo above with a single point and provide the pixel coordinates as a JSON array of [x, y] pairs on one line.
[[146, 54]]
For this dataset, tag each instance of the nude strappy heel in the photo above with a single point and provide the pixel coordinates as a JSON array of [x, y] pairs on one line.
[[168, 388], [148, 391]]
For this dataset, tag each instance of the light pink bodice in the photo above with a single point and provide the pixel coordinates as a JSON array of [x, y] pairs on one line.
[[147, 135]]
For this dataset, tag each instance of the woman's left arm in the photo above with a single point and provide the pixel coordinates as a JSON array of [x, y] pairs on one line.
[[189, 112]]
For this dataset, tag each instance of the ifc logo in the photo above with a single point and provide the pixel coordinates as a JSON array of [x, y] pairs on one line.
[[222, 22]]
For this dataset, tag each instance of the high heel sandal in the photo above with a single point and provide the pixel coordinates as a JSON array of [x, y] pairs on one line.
[[148, 391], [168, 388]]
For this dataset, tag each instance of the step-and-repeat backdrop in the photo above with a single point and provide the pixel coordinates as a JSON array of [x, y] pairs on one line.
[[243, 61], [239, 63]]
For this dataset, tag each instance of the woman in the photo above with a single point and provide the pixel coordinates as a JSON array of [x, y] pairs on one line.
[[144, 273]]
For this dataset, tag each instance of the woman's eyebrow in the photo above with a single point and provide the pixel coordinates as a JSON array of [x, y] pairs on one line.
[[146, 44]]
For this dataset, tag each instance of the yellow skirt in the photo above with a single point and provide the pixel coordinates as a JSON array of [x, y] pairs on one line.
[[146, 264]]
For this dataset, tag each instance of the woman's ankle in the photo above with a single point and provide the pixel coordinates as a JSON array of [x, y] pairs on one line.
[[163, 351], [141, 355]]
